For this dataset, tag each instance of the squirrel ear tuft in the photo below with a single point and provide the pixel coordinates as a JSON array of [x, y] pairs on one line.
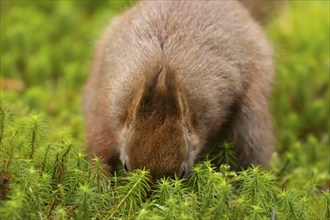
[[160, 95]]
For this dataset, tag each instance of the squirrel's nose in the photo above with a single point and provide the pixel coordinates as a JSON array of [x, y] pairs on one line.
[[183, 172]]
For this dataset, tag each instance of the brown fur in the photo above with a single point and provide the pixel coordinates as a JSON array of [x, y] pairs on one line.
[[262, 10], [165, 80]]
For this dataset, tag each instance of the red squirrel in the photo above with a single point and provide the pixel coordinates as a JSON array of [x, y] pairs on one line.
[[171, 77]]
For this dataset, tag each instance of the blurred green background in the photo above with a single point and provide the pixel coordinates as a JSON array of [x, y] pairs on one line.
[[47, 48]]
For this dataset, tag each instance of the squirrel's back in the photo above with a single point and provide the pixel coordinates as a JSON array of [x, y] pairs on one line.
[[211, 45]]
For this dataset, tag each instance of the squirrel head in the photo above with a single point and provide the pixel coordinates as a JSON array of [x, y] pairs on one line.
[[158, 133]]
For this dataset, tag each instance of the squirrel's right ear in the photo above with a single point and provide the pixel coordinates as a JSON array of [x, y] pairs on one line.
[[263, 11]]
